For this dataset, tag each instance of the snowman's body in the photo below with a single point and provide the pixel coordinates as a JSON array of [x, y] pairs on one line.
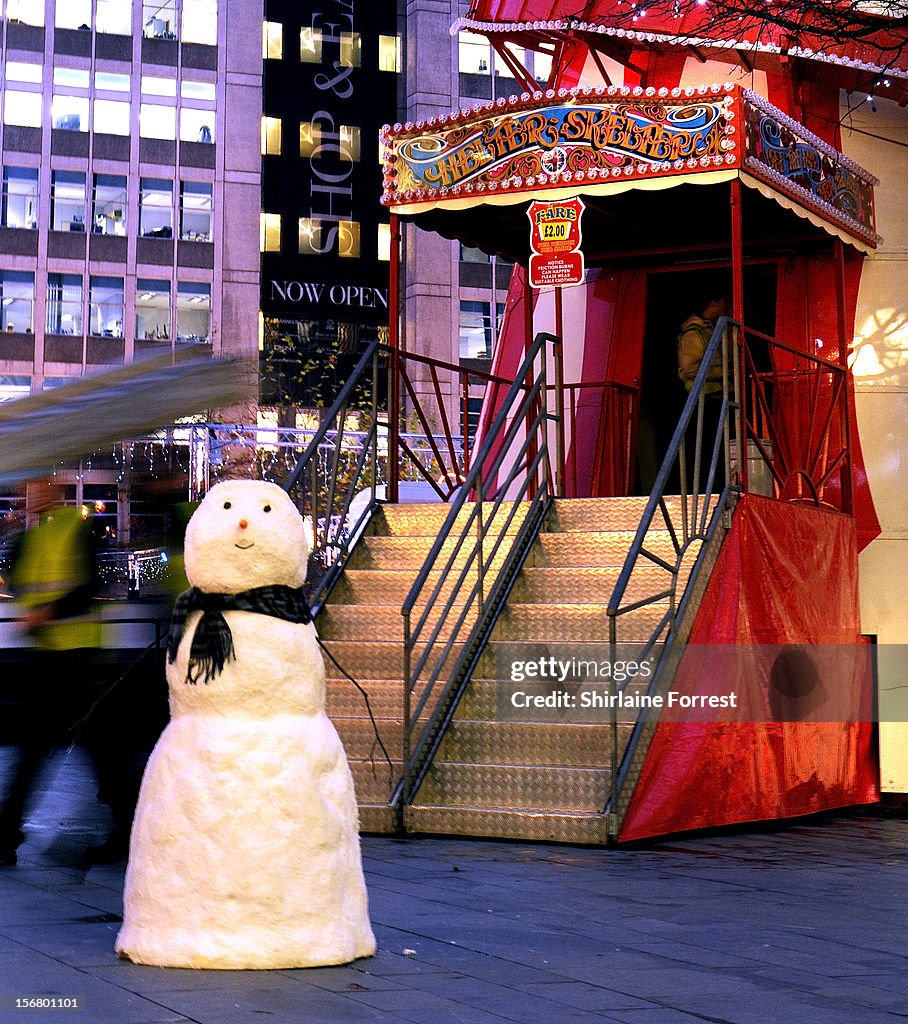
[[245, 849]]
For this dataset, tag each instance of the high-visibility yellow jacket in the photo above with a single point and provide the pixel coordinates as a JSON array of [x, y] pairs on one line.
[[55, 566]]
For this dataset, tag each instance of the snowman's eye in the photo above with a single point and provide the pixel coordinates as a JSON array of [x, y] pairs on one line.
[[267, 508], [227, 504]]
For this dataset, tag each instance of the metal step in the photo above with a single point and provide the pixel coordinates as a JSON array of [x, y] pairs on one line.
[[608, 548], [376, 818], [382, 623], [564, 745], [574, 623], [593, 515], [374, 784], [426, 520], [488, 700], [376, 660], [411, 553], [508, 823], [386, 586], [581, 585]]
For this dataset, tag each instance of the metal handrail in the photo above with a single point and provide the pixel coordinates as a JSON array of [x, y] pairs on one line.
[[481, 535]]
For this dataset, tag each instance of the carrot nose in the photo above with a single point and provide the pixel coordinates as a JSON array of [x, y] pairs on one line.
[[243, 524]]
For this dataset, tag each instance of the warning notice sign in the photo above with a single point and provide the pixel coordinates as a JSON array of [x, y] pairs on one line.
[[556, 258]]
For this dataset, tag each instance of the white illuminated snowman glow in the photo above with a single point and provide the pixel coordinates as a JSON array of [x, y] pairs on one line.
[[245, 848]]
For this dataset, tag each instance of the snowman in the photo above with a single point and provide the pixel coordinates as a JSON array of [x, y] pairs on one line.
[[245, 848]]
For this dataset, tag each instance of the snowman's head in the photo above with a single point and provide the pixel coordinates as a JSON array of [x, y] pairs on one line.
[[245, 534]]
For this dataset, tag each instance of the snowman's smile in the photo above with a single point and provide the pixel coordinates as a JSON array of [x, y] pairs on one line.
[[244, 545]]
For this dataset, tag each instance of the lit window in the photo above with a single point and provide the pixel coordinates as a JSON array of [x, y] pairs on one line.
[[152, 310], [74, 77], [310, 237], [156, 208], [348, 238], [310, 138], [349, 142], [270, 232], [73, 14], [542, 66], [384, 242], [272, 40], [319, 140], [15, 386], [351, 50], [17, 71], [112, 117], [106, 307], [159, 19], [114, 16], [271, 136], [195, 211], [27, 11], [157, 122], [108, 214], [67, 201], [64, 304], [111, 82], [70, 113], [389, 53], [195, 125], [22, 108], [152, 86], [197, 91], [17, 300], [476, 329], [474, 54], [20, 197], [193, 312], [310, 46], [200, 22]]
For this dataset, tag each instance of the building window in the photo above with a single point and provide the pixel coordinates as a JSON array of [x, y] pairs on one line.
[[157, 122], [195, 211], [27, 11], [19, 71], [476, 329], [69, 113], [20, 197], [106, 307], [270, 232], [195, 125], [349, 142], [193, 312], [159, 19], [470, 255], [152, 310], [112, 117], [389, 53], [107, 80], [272, 40], [310, 237], [64, 304], [474, 54], [17, 300], [316, 141], [200, 22], [198, 91], [310, 46], [71, 78], [348, 238], [384, 242], [67, 201], [108, 214], [14, 387], [114, 16], [271, 136], [156, 208], [22, 108], [351, 49], [155, 86], [73, 14]]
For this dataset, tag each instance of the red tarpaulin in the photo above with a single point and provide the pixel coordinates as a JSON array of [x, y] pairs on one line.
[[786, 575]]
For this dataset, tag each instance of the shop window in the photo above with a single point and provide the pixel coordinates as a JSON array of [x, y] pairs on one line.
[[196, 125], [271, 136], [17, 300], [64, 304], [73, 14], [107, 306], [115, 17], [112, 117], [197, 91], [107, 80], [157, 122], [384, 242], [69, 113], [348, 239], [159, 19], [29, 12], [270, 232], [152, 310], [272, 40], [195, 211], [20, 197], [20, 71], [22, 108], [310, 46], [67, 201], [389, 53], [193, 312], [156, 208], [154, 86], [109, 207], [200, 22]]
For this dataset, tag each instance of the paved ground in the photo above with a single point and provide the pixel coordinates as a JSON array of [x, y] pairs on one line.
[[805, 925]]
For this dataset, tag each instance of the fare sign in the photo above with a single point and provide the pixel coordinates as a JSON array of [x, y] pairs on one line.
[[555, 259]]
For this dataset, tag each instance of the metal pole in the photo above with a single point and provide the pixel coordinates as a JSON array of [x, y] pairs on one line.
[[394, 368], [737, 312], [559, 397], [847, 470], [528, 383]]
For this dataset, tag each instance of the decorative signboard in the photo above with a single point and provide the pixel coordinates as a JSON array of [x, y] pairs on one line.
[[555, 256]]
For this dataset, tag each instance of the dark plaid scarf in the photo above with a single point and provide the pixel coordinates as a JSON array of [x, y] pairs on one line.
[[212, 644]]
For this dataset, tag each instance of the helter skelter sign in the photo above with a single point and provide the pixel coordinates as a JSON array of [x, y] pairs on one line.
[[556, 259]]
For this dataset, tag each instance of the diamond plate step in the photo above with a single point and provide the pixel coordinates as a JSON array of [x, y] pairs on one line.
[[385, 698], [596, 549], [527, 787], [375, 660], [358, 736], [385, 586], [376, 818], [593, 515], [573, 623], [411, 553], [508, 823], [426, 520], [381, 623], [539, 743], [579, 585], [374, 786]]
